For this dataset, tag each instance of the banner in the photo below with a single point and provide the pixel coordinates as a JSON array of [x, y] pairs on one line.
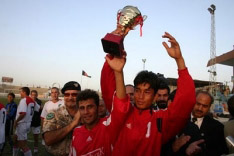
[[7, 79]]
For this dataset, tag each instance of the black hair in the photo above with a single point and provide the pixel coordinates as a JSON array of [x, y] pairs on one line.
[[88, 94], [231, 105], [163, 85], [147, 77], [206, 93], [26, 90], [11, 94]]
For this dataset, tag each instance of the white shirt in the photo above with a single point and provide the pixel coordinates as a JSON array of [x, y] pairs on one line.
[[3, 114], [198, 122], [50, 105], [26, 106]]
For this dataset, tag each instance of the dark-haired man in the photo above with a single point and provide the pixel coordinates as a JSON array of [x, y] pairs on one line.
[[130, 92], [162, 96], [11, 108], [206, 134], [102, 111], [59, 123], [98, 136], [211, 130], [36, 120], [23, 120], [145, 130]]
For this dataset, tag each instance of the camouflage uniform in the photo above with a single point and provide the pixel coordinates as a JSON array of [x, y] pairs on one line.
[[58, 119]]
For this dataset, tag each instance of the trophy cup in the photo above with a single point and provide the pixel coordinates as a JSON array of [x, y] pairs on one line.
[[127, 18]]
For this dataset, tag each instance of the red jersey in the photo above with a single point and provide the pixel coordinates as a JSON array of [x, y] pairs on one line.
[[145, 131], [100, 140]]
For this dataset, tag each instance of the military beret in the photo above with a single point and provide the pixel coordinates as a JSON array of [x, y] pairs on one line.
[[71, 85]]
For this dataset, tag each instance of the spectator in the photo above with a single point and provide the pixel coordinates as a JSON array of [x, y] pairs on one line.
[[59, 123], [11, 108], [130, 92], [102, 111], [206, 134], [54, 103], [36, 121], [162, 96]]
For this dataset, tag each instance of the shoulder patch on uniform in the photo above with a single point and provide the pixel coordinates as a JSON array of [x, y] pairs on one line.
[[50, 116]]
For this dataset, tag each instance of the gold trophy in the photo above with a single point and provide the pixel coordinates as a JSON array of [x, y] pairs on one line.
[[127, 19]]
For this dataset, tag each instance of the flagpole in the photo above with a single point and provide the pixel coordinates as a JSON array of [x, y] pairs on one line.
[[81, 80], [87, 84]]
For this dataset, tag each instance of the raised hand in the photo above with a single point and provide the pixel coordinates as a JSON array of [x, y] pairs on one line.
[[117, 63], [174, 50]]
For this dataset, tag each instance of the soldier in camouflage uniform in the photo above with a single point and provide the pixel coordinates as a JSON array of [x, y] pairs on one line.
[[59, 124]]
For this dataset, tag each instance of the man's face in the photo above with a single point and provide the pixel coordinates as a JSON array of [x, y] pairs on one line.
[[34, 95], [88, 111], [22, 93], [70, 97], [162, 97], [54, 94], [102, 109], [10, 98], [130, 92], [143, 96], [202, 105]]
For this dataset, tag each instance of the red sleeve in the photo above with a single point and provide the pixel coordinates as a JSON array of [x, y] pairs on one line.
[[116, 120], [180, 109], [107, 85]]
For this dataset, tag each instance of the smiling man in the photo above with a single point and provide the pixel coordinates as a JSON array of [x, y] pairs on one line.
[[98, 135], [59, 124], [145, 130]]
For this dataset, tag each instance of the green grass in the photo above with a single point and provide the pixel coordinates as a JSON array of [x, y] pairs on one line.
[[7, 150]]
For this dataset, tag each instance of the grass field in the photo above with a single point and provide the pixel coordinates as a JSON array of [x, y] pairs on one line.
[[7, 150]]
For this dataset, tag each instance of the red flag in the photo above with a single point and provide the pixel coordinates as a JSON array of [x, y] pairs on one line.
[[85, 74]]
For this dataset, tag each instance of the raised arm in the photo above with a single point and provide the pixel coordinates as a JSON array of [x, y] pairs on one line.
[[180, 109], [117, 65], [107, 85]]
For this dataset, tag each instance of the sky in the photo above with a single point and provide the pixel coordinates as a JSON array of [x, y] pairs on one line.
[[51, 41]]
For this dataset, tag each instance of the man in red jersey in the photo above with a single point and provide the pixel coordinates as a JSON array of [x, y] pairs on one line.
[[145, 130], [98, 135]]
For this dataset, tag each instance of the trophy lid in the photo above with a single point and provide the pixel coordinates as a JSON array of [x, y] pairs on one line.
[[129, 17]]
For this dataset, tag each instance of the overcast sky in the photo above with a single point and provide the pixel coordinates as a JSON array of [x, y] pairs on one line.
[[48, 41]]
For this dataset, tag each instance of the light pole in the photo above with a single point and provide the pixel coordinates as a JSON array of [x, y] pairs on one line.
[[143, 60]]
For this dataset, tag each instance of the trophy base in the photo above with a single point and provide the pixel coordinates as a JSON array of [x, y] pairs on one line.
[[113, 44]]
